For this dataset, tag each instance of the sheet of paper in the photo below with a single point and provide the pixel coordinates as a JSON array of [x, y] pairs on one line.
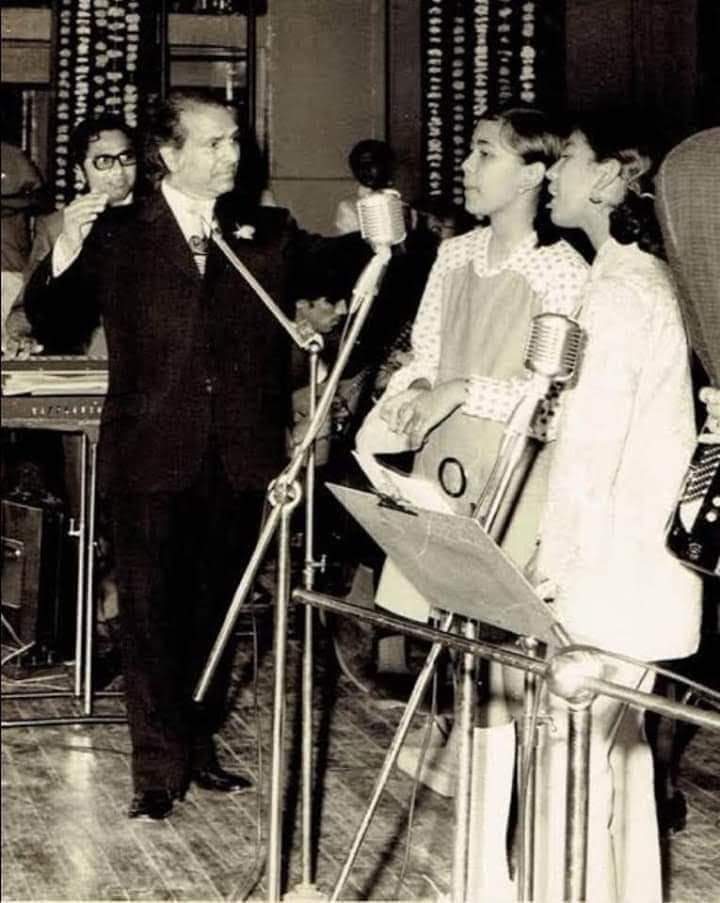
[[416, 492]]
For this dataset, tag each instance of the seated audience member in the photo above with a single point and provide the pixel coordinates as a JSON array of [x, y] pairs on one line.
[[22, 196], [103, 154], [371, 163], [323, 316]]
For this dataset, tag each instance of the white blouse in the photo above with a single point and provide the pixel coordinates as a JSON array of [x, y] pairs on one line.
[[556, 273], [625, 438]]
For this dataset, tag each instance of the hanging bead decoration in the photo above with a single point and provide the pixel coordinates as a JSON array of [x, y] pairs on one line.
[[478, 55], [97, 65]]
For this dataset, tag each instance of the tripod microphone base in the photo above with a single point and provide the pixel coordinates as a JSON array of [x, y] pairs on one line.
[[304, 892]]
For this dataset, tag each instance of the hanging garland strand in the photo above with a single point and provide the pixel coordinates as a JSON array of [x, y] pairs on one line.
[[97, 65], [479, 55]]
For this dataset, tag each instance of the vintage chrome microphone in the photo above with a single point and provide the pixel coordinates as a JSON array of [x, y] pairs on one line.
[[382, 221], [551, 355]]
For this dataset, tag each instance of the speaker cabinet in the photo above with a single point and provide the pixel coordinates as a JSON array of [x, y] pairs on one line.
[[36, 596]]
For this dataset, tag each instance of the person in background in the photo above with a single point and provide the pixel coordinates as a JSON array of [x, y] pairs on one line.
[[22, 196], [103, 155], [323, 316], [711, 398], [371, 163]]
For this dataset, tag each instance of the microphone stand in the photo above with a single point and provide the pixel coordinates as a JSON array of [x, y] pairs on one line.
[[494, 507], [284, 494], [512, 465]]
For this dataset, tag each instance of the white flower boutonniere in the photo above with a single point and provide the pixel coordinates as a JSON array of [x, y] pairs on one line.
[[246, 232]]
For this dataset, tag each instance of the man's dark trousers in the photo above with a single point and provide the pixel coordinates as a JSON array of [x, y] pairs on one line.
[[180, 557]]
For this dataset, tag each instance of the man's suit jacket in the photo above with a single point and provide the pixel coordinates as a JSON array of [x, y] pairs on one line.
[[60, 324], [189, 357]]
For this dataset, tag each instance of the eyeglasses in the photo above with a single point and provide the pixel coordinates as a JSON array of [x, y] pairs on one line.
[[103, 162]]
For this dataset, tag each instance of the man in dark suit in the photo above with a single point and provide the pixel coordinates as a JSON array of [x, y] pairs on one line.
[[193, 428]]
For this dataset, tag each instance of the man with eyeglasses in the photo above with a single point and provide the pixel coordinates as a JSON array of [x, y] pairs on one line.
[[103, 159]]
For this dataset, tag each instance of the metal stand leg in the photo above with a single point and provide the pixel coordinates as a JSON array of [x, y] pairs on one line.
[[416, 698], [306, 890], [577, 805], [528, 781], [570, 676], [81, 532], [466, 710], [90, 614], [292, 495]]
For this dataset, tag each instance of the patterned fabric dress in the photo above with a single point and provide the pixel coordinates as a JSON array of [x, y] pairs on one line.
[[473, 323]]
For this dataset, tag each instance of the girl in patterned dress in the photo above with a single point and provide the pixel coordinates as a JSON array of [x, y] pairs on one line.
[[465, 378], [466, 374]]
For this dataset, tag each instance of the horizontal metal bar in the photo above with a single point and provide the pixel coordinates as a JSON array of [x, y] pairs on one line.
[[60, 721], [421, 631], [637, 698], [654, 703], [19, 696]]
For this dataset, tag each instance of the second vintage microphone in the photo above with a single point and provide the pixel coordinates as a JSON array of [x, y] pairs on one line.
[[552, 353]]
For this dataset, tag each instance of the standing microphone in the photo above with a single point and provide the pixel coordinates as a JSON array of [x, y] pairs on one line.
[[552, 353], [553, 347], [382, 220], [382, 225]]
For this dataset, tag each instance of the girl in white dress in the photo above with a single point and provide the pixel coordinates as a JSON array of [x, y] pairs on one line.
[[625, 437]]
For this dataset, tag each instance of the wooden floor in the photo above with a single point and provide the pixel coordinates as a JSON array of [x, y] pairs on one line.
[[65, 792]]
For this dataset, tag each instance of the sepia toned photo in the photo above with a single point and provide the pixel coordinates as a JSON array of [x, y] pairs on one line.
[[360, 461]]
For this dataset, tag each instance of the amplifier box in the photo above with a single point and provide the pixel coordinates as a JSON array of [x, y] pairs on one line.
[[37, 604]]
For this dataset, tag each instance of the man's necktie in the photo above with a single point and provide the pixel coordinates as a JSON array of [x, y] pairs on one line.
[[199, 248]]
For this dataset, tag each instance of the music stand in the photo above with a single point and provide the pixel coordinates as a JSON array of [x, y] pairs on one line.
[[461, 570]]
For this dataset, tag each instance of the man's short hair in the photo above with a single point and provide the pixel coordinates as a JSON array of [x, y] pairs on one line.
[[89, 130], [379, 150], [167, 127]]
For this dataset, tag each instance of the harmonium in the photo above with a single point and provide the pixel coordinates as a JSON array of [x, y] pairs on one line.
[[694, 530], [47, 392]]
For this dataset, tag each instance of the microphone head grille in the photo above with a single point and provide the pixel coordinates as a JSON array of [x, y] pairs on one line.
[[553, 346], [382, 221]]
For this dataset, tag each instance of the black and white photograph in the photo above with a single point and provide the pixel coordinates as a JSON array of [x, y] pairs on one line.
[[360, 450]]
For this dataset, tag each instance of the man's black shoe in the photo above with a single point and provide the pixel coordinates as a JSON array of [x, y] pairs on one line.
[[151, 805], [213, 777]]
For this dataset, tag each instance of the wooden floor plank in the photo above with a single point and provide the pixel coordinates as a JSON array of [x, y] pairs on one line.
[[66, 835]]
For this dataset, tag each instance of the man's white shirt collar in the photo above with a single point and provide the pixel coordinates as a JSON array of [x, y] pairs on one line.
[[195, 216]]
